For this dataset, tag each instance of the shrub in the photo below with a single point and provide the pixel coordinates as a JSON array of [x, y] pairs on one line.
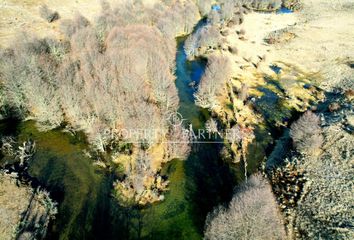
[[263, 5], [251, 214], [48, 14], [292, 4], [178, 143], [2, 103], [207, 37], [213, 82], [306, 133], [69, 27], [235, 20], [233, 50]]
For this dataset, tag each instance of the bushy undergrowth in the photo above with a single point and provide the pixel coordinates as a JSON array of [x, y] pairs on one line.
[[113, 74], [48, 14], [326, 207], [251, 214], [112, 79], [306, 133], [217, 72], [292, 4], [315, 191]]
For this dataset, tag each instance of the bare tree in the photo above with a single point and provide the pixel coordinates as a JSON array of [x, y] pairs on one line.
[[178, 143], [209, 37], [214, 17], [306, 133], [191, 45], [251, 214], [109, 76], [213, 81]]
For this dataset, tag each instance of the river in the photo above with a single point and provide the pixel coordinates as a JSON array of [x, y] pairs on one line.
[[86, 208]]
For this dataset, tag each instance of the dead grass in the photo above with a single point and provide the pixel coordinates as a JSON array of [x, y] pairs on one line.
[[13, 201]]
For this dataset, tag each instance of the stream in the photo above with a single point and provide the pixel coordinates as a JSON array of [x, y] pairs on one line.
[[87, 209]]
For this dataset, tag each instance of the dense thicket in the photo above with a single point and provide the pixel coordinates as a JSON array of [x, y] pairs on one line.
[[95, 87], [114, 74], [112, 79], [325, 209], [251, 214]]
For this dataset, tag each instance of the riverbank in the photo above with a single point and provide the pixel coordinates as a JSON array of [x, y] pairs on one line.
[[26, 212], [279, 64], [274, 75], [317, 39], [85, 192]]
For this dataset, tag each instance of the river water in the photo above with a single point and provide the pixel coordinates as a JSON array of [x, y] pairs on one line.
[[86, 208]]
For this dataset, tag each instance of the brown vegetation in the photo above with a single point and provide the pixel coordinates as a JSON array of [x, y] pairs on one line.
[[206, 38], [217, 73], [292, 4], [315, 192], [306, 133], [25, 212], [107, 78], [251, 214], [48, 14]]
